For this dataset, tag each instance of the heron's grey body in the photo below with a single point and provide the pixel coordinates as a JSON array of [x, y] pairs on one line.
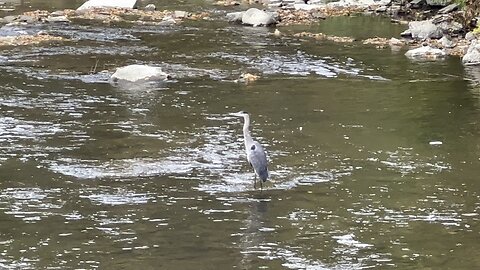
[[255, 153]]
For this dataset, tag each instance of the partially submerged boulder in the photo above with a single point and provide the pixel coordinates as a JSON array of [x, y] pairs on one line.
[[108, 3], [425, 53], [253, 17], [139, 73], [472, 57], [257, 17]]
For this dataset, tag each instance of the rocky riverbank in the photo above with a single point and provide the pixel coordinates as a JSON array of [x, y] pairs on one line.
[[436, 28], [433, 25]]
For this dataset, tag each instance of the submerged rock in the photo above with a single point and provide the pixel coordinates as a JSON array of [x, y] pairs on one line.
[[472, 57], [257, 17], [108, 3], [425, 52], [136, 73]]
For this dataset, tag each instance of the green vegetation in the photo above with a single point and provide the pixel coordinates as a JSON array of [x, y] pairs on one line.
[[471, 9], [461, 3], [476, 30]]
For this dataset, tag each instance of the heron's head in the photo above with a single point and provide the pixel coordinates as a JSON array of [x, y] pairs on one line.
[[240, 114]]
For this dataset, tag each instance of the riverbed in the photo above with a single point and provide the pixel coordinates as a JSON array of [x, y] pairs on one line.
[[374, 158]]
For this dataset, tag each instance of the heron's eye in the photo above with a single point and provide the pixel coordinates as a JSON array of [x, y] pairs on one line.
[[253, 147]]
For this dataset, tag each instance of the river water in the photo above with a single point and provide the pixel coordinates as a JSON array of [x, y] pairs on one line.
[[374, 158]]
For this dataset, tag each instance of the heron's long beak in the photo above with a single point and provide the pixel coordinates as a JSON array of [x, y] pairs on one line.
[[236, 114]]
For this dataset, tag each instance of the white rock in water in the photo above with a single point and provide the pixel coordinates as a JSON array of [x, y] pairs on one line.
[[135, 73], [257, 17], [108, 3], [425, 52], [435, 143]]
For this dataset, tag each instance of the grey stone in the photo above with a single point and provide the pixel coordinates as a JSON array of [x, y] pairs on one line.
[[57, 13], [417, 3], [150, 7], [439, 3], [447, 42], [450, 27], [424, 29], [470, 36], [9, 19], [449, 8], [472, 57], [257, 17], [381, 9], [26, 19], [57, 19]]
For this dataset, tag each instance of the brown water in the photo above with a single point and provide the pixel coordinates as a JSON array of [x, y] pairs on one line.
[[100, 176]]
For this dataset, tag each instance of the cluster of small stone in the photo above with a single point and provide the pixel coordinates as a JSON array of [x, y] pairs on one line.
[[29, 39], [288, 16], [104, 15], [322, 36]]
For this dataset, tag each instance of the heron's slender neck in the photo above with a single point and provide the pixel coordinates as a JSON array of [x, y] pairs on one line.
[[246, 131]]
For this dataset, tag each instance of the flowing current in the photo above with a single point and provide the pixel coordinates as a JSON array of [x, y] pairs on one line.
[[374, 159]]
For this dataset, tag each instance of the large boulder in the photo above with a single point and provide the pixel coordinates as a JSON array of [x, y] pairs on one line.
[[424, 29], [108, 3], [472, 57], [425, 53], [257, 17], [139, 73]]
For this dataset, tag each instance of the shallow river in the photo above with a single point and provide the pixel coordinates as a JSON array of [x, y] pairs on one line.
[[374, 158]]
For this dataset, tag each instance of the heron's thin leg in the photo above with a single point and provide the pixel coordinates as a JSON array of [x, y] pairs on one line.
[[255, 181]]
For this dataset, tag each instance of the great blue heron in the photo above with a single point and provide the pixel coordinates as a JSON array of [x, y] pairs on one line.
[[255, 154]]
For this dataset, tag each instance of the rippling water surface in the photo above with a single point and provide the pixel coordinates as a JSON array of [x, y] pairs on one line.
[[374, 158]]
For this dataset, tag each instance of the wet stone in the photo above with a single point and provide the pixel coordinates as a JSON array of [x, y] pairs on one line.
[[426, 53], [150, 7], [57, 19], [180, 14]]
